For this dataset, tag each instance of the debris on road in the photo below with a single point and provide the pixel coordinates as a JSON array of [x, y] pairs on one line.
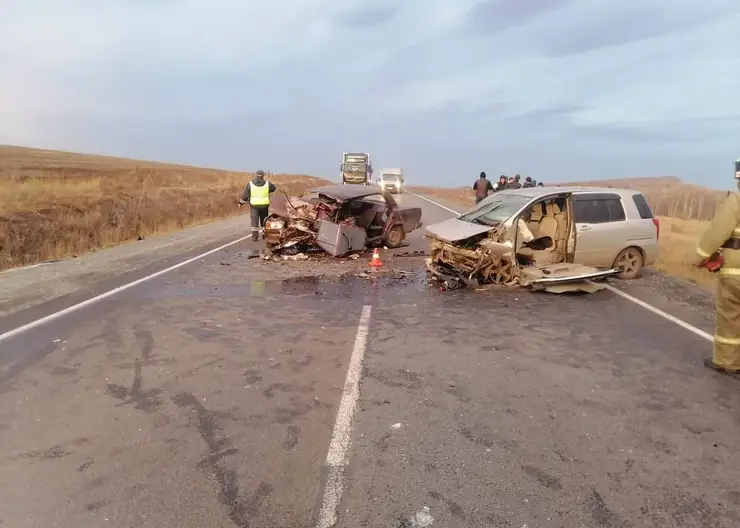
[[421, 519], [512, 241], [340, 219]]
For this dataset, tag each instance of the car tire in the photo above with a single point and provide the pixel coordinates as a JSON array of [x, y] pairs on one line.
[[395, 237], [630, 260]]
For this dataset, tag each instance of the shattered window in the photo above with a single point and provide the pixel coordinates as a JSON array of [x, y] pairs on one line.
[[497, 210]]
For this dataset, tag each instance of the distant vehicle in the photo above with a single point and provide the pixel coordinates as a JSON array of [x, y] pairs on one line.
[[356, 168], [548, 236], [391, 180]]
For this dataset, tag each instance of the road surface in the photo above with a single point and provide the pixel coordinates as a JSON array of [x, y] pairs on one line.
[[208, 396]]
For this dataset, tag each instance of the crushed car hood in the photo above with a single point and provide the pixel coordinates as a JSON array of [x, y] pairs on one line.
[[454, 230]]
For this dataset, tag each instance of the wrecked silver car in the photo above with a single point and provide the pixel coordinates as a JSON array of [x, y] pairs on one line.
[[516, 237], [340, 219]]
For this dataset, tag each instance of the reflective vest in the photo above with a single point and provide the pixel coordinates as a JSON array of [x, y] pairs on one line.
[[259, 195]]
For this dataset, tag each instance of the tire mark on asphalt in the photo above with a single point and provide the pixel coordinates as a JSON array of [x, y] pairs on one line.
[[241, 508], [143, 400]]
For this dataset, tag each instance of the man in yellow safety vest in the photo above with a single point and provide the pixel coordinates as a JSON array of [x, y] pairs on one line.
[[719, 250], [257, 195]]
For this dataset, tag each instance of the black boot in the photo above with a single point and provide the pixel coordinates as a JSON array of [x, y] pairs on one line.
[[732, 373]]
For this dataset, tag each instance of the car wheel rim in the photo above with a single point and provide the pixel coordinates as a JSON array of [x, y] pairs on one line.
[[393, 236], [629, 262]]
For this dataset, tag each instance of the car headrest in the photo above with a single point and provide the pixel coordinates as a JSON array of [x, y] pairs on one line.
[[556, 209]]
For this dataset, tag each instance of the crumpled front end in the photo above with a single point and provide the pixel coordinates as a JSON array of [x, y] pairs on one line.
[[484, 259], [285, 232]]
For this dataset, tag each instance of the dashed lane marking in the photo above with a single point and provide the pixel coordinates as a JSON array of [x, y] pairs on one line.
[[337, 458]]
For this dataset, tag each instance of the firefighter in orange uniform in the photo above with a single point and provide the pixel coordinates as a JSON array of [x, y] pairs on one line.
[[720, 244]]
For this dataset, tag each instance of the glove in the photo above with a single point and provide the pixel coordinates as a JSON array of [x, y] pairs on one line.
[[714, 263]]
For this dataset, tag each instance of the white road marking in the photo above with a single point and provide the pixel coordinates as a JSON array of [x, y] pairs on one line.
[[635, 300], [658, 311], [338, 456], [56, 315], [433, 202]]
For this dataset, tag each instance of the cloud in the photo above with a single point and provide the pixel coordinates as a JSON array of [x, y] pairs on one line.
[[554, 87]]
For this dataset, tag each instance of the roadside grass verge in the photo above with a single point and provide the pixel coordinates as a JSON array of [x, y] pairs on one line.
[[58, 204], [678, 236]]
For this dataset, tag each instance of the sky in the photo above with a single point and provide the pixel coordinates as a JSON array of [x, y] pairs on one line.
[[553, 89]]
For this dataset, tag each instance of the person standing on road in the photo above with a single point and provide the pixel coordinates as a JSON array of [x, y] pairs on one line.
[[481, 188], [501, 184], [257, 195], [723, 234], [514, 183]]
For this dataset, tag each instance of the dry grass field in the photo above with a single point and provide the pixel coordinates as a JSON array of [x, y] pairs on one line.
[[684, 211], [57, 204]]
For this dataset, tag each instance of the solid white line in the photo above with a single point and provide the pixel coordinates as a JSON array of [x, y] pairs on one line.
[[433, 202], [643, 304], [338, 456], [88, 302], [661, 313]]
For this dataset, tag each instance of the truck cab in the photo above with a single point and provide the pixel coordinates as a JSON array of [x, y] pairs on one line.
[[391, 180], [356, 168]]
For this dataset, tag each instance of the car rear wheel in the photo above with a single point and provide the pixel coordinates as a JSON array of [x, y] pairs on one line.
[[630, 261], [394, 237]]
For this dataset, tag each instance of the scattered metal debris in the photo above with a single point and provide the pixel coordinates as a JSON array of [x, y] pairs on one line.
[[340, 219]]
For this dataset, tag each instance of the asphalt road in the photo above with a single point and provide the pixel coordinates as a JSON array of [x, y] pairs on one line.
[[207, 397]]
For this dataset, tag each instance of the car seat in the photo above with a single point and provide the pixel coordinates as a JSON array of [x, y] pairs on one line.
[[549, 224], [561, 220]]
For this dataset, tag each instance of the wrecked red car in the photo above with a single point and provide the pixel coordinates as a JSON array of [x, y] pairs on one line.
[[340, 219]]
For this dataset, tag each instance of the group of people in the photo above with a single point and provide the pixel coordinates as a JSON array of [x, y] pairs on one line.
[[482, 186]]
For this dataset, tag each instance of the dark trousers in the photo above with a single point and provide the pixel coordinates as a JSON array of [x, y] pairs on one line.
[[258, 214], [480, 198]]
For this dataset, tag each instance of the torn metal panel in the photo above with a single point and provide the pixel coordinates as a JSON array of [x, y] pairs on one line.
[[340, 239], [454, 230], [571, 287]]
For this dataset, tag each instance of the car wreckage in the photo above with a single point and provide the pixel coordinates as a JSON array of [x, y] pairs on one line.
[[521, 237], [339, 219]]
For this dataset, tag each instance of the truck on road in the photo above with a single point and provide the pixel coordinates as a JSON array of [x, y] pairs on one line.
[[356, 168]]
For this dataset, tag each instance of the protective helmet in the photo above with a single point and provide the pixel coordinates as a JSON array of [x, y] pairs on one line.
[[260, 173]]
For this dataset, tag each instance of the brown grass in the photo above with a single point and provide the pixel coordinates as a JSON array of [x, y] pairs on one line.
[[57, 204], [684, 211]]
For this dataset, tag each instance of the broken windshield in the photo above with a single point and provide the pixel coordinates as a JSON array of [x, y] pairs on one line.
[[496, 209]]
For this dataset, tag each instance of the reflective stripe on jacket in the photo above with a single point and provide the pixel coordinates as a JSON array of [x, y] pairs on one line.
[[259, 194], [724, 225]]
